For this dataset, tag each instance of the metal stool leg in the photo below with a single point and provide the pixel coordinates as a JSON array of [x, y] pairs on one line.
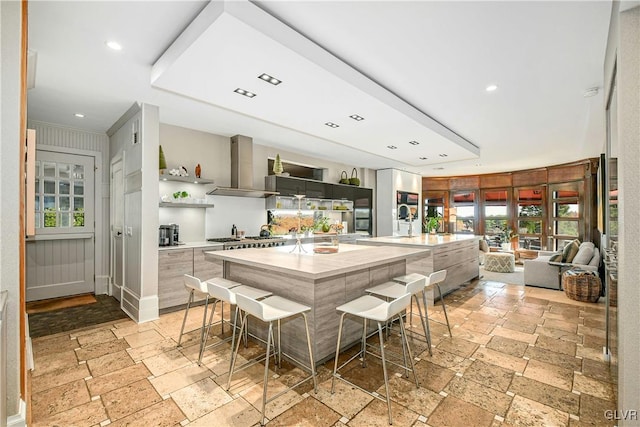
[[384, 371], [335, 363], [313, 366], [205, 336], [266, 374], [234, 354], [184, 320], [423, 320], [444, 308], [406, 341], [363, 343], [426, 322]]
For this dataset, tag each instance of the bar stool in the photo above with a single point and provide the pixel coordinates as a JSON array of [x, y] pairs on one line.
[[271, 309], [369, 307], [414, 285], [432, 280], [197, 288], [224, 290]]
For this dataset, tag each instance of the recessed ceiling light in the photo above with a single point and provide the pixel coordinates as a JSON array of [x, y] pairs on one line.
[[590, 92], [491, 88], [438, 169], [478, 164], [357, 117], [414, 142], [245, 93], [113, 45], [442, 155], [269, 79], [423, 158], [79, 115], [332, 125], [392, 147]]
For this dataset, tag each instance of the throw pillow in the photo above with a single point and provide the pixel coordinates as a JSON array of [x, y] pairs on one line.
[[595, 261], [556, 258], [573, 250], [584, 255]]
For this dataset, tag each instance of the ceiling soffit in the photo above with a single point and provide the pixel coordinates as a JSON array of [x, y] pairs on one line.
[[229, 45]]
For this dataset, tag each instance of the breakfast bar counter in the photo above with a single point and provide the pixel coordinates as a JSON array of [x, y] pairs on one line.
[[456, 253], [320, 281]]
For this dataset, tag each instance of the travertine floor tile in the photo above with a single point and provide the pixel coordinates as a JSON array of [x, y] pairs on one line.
[[45, 345], [87, 414], [508, 346], [152, 349], [253, 395], [162, 414], [458, 346], [418, 399], [310, 412], [526, 412], [563, 400], [486, 398], [593, 410], [346, 400], [200, 398], [556, 345], [54, 361], [175, 380], [94, 351], [559, 334], [593, 387], [473, 336], [129, 399], [375, 414], [515, 335], [58, 377], [454, 412], [140, 339], [109, 363], [57, 399], [562, 325], [123, 329], [165, 362], [558, 359], [117, 379], [96, 337], [237, 413], [597, 370], [489, 375], [506, 361], [549, 374]]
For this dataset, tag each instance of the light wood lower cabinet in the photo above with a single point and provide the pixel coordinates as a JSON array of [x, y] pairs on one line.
[[173, 264]]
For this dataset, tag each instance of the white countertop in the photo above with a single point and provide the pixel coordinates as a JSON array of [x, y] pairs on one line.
[[350, 258], [423, 240], [191, 245]]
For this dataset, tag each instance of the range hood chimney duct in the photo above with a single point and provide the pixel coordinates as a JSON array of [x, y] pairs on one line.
[[241, 171]]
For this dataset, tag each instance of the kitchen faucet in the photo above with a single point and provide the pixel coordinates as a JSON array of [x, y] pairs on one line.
[[409, 218]]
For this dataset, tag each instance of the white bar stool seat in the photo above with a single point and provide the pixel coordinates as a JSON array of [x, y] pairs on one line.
[[198, 289], [224, 290], [414, 285], [432, 280], [371, 308], [269, 310]]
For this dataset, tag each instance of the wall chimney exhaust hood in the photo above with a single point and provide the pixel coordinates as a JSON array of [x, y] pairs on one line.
[[241, 171]]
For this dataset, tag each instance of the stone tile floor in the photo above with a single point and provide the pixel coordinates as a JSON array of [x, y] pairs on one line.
[[518, 357]]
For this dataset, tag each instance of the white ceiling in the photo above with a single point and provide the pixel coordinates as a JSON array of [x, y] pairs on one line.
[[415, 70]]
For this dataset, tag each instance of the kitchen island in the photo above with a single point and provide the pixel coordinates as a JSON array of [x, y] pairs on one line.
[[456, 253], [321, 281]]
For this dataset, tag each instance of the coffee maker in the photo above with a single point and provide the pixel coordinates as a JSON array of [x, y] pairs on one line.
[[169, 235]]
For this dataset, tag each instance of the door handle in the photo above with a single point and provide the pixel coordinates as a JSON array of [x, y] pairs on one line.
[[119, 233]]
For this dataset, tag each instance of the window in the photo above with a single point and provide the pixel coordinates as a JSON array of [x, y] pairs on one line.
[[496, 215], [434, 205], [530, 207], [463, 213], [60, 195], [566, 215]]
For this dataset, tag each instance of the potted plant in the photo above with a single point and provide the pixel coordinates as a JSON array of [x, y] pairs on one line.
[[323, 224], [431, 224], [277, 165], [510, 239]]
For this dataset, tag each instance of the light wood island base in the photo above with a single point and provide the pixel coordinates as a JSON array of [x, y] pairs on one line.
[[320, 281]]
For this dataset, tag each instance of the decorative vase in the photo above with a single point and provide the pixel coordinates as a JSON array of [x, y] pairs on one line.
[[198, 170], [162, 162], [277, 165]]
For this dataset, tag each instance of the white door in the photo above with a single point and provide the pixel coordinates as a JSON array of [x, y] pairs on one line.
[[117, 228], [60, 258]]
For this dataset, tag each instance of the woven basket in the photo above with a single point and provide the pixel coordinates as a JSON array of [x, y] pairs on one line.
[[584, 287]]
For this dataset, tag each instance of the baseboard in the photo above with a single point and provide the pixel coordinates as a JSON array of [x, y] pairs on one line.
[[19, 419], [102, 285], [139, 309]]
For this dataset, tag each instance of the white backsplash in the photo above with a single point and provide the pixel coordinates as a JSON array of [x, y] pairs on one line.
[[247, 213]]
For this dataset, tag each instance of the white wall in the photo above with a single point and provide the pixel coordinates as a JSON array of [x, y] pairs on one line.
[[10, 35], [388, 182], [140, 287], [188, 147], [625, 39]]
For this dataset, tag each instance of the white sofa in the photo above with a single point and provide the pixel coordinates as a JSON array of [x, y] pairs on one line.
[[538, 272]]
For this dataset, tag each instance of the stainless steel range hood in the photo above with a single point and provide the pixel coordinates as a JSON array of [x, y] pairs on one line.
[[241, 171]]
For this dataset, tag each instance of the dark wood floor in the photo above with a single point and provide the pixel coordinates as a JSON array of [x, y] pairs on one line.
[[106, 309]]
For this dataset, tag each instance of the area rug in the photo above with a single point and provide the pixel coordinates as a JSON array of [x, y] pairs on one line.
[[515, 278], [47, 305]]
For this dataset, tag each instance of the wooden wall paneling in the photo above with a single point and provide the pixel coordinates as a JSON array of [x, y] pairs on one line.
[[464, 182], [435, 184], [529, 177], [567, 173], [501, 180]]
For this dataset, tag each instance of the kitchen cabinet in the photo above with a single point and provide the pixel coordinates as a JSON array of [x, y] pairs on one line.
[[363, 209], [460, 259], [341, 191], [286, 186], [318, 189], [173, 264]]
